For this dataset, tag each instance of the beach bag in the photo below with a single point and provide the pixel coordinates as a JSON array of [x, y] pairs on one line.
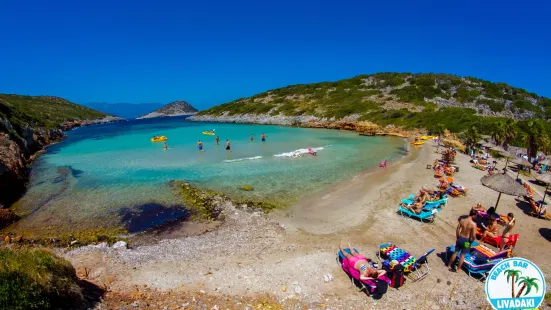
[[397, 279], [380, 289]]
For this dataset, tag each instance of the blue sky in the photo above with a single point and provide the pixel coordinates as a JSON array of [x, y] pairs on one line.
[[211, 52]]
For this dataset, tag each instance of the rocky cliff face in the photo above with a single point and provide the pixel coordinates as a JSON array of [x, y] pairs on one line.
[[176, 108]]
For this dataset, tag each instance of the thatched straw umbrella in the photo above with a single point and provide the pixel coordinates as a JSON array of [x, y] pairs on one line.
[[508, 155], [503, 183], [521, 162], [544, 178]]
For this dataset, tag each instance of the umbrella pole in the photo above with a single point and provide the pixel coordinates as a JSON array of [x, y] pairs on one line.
[[544, 194], [497, 202]]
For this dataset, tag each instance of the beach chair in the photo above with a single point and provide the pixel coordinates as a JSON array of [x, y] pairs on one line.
[[426, 216], [536, 211], [414, 269], [429, 204], [477, 262], [375, 288], [497, 240]]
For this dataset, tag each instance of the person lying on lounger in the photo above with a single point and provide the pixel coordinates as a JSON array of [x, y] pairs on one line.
[[361, 264], [416, 206]]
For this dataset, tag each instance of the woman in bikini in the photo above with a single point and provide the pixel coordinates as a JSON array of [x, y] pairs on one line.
[[361, 264], [492, 230], [507, 231]]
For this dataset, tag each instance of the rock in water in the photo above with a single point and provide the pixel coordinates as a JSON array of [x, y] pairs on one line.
[[247, 188]]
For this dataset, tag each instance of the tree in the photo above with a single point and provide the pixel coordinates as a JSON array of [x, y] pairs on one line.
[[527, 283], [512, 274], [534, 134], [509, 132], [438, 129], [497, 131], [471, 136]]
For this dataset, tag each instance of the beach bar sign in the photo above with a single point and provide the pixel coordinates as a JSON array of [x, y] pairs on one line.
[[515, 283]]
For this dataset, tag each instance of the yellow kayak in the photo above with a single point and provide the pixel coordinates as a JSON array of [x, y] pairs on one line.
[[159, 139], [424, 138], [208, 133], [418, 143]]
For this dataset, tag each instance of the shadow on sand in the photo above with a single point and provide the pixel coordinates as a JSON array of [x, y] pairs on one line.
[[545, 233]]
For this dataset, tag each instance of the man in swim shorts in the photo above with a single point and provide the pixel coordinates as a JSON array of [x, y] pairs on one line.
[[227, 145], [263, 137], [217, 139], [200, 145], [465, 234]]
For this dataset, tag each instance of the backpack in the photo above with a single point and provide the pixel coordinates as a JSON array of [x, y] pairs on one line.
[[397, 278]]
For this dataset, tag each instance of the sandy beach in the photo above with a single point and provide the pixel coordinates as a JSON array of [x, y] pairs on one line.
[[285, 255]]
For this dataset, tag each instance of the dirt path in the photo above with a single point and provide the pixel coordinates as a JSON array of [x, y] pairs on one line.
[[287, 254]]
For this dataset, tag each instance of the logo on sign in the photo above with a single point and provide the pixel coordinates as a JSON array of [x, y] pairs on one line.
[[515, 283]]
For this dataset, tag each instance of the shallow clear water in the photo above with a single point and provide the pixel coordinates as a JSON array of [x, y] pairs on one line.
[[115, 169]]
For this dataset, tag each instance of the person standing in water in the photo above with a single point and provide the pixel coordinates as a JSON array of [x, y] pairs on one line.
[[227, 145], [200, 145], [166, 146], [252, 137], [263, 137], [217, 139]]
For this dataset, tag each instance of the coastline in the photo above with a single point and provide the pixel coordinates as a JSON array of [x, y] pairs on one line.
[[258, 255]]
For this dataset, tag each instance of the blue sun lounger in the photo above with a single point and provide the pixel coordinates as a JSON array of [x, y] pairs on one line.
[[428, 206], [476, 263], [438, 202], [426, 216]]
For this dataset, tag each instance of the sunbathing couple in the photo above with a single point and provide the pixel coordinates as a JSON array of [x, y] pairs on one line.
[[420, 200], [361, 264], [492, 229]]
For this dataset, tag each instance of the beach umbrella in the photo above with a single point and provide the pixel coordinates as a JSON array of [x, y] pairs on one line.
[[503, 183], [521, 162], [544, 178], [508, 155]]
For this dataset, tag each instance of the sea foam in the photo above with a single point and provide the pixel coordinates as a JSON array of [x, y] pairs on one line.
[[241, 159]]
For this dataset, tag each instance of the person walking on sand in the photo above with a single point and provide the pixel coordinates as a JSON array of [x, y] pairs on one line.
[[200, 145], [217, 139], [263, 137], [227, 145], [465, 234], [252, 137]]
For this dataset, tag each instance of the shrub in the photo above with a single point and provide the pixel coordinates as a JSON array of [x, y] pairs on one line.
[[33, 278]]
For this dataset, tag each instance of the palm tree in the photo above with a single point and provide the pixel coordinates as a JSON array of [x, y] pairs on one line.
[[512, 274], [535, 135], [510, 132], [527, 283], [498, 132], [472, 136]]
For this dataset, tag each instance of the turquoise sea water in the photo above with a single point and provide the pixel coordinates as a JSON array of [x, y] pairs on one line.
[[114, 170]]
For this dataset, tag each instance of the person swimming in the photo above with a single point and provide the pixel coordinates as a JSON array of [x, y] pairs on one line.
[[200, 145], [252, 137], [312, 152]]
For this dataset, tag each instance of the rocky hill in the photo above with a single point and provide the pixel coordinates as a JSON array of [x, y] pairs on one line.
[[27, 125], [403, 99], [176, 108]]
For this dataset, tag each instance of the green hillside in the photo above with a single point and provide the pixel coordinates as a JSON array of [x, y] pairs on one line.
[[405, 99], [41, 111]]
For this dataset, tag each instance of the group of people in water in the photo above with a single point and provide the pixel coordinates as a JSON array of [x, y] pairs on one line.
[[228, 144]]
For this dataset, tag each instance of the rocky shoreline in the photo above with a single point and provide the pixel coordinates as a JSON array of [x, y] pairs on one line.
[[18, 152], [350, 123]]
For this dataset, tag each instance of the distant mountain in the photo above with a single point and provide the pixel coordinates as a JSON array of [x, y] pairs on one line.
[[176, 108], [124, 110]]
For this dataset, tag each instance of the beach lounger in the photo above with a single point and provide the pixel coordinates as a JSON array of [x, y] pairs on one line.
[[375, 288], [497, 240], [536, 211], [477, 262], [414, 269], [429, 205], [425, 216]]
